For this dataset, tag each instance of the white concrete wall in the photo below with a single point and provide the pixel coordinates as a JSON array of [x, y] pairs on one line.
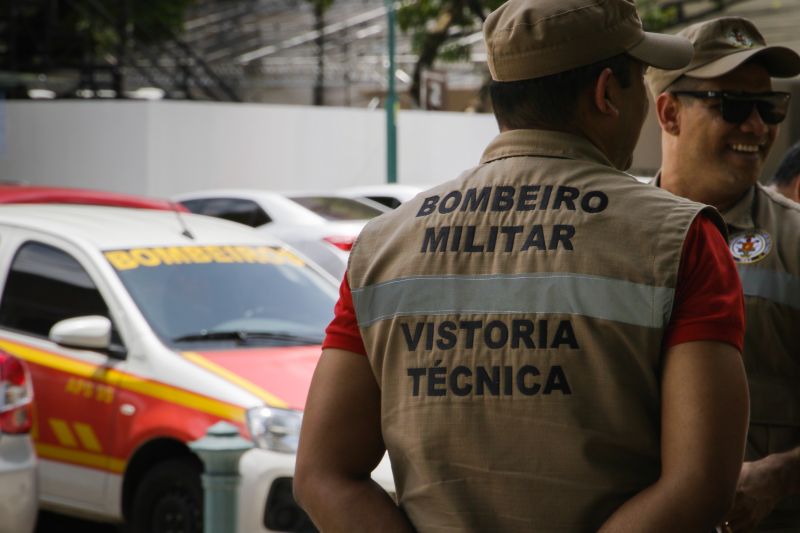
[[162, 148], [101, 145]]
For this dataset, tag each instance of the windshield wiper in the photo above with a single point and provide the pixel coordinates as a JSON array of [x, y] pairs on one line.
[[243, 337]]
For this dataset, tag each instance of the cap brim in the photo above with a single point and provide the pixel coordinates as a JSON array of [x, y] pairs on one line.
[[780, 62], [663, 51]]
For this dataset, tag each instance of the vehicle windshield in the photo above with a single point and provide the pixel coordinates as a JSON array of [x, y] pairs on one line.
[[226, 295], [336, 208]]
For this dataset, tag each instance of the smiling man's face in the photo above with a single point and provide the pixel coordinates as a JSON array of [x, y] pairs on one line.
[[726, 157]]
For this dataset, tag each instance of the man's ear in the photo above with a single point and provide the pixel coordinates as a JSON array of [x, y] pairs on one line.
[[668, 113], [602, 100]]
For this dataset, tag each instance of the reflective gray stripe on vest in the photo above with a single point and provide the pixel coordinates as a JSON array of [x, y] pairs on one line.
[[575, 294], [778, 287]]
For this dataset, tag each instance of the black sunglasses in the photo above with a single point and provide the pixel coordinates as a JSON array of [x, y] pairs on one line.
[[736, 107]]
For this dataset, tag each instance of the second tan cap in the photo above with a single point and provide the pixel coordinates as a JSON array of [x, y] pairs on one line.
[[528, 39], [720, 46]]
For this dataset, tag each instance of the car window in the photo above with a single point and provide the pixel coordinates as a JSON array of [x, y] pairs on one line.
[[388, 201], [46, 285], [224, 294], [235, 209], [336, 208]]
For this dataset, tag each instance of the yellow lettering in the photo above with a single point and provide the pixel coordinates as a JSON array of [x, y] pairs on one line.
[[264, 255], [247, 254], [87, 389], [145, 257], [290, 257], [218, 254], [269, 255], [120, 260], [176, 255], [104, 394], [197, 254], [231, 251], [172, 256], [73, 386]]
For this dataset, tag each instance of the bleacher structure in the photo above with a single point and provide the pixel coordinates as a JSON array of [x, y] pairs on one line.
[[273, 45], [230, 50], [269, 51]]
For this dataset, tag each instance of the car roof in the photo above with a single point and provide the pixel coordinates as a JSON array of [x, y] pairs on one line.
[[228, 193], [385, 188], [108, 228], [24, 194], [394, 190], [342, 198], [276, 204]]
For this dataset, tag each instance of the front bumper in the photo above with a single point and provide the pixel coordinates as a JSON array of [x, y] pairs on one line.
[[265, 492]]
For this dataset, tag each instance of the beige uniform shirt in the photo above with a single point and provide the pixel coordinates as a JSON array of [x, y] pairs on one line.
[[514, 319], [764, 238]]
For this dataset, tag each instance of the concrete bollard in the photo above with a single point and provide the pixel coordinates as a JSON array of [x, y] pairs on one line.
[[220, 450]]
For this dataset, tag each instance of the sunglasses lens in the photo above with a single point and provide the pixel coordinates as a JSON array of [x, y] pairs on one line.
[[736, 110], [771, 107], [772, 113]]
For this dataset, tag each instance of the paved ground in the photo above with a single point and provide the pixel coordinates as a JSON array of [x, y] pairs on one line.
[[53, 523]]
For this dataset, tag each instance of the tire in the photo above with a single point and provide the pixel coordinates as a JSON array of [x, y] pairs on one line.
[[169, 498]]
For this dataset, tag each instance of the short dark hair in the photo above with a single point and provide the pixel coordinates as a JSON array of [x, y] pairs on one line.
[[789, 167], [550, 101]]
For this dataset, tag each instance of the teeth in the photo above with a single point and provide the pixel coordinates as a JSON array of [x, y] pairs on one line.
[[750, 148]]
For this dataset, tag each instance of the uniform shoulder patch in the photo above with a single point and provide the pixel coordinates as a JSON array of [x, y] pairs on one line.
[[750, 246]]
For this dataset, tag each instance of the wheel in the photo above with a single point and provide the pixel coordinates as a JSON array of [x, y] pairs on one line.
[[169, 498]]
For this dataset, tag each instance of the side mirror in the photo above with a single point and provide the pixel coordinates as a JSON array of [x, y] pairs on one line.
[[89, 332]]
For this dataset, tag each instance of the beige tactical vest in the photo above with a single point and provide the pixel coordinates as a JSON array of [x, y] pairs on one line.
[[514, 319], [764, 238]]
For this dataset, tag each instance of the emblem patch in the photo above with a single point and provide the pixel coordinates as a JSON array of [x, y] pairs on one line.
[[750, 246], [739, 39]]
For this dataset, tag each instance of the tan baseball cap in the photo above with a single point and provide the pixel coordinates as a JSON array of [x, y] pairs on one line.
[[720, 46], [534, 38]]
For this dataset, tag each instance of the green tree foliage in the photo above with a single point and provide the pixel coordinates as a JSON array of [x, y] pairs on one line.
[[435, 27], [321, 4], [656, 17], [67, 33]]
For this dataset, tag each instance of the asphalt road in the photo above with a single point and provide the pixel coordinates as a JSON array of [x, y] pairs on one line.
[[53, 523]]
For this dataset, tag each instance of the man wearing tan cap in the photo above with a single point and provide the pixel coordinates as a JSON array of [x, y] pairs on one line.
[[532, 342], [719, 117]]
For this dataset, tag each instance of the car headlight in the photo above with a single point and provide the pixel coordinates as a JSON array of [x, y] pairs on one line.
[[275, 429]]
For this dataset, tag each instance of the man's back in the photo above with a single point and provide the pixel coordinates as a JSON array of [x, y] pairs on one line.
[[511, 338], [515, 318]]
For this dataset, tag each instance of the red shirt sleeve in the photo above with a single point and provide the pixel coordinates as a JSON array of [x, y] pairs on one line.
[[343, 332], [709, 305]]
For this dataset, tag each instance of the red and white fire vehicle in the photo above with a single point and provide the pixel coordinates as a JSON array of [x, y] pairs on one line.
[[143, 327]]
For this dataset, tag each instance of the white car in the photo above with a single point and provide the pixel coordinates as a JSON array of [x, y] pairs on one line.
[[18, 503], [389, 194], [141, 329], [335, 206], [321, 227]]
